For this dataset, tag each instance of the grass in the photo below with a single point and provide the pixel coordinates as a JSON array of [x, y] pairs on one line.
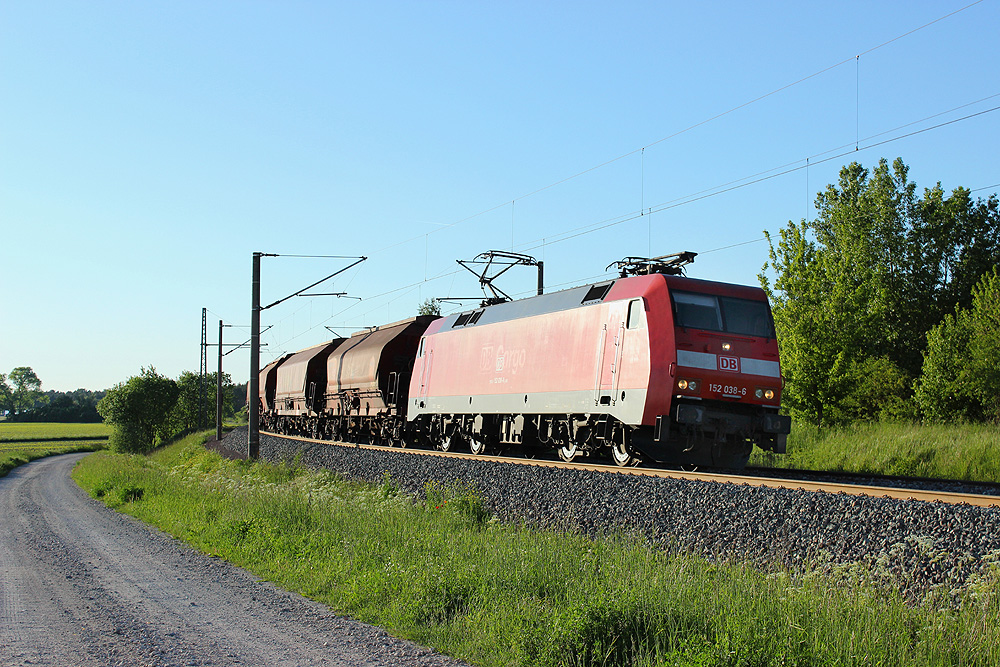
[[24, 442], [20, 431], [963, 452], [441, 572]]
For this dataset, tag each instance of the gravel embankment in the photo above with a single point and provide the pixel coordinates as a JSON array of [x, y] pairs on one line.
[[917, 546]]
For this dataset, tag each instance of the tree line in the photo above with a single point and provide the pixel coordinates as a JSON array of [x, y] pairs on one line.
[[148, 405], [22, 399], [148, 409], [887, 303]]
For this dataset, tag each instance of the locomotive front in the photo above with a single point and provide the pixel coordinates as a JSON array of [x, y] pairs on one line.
[[724, 375]]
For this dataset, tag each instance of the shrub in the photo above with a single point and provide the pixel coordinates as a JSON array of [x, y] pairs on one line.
[[960, 379], [138, 410]]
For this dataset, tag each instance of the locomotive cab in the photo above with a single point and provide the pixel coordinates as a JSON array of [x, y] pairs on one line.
[[725, 377]]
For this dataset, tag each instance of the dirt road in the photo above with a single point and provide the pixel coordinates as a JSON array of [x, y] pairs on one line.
[[83, 585]]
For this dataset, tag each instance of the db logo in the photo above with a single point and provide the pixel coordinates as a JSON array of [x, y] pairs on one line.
[[731, 364]]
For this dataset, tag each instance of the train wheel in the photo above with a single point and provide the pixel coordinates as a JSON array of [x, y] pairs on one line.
[[477, 444], [568, 452], [447, 441], [621, 449], [397, 436]]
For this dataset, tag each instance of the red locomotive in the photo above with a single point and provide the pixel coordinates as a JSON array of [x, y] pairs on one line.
[[650, 365]]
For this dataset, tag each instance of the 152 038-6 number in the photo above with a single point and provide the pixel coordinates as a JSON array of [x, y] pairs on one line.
[[728, 390]]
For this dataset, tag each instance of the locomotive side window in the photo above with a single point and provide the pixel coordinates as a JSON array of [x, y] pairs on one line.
[[697, 311], [636, 315]]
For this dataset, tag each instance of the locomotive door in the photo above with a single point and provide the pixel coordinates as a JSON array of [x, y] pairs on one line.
[[609, 361], [425, 370]]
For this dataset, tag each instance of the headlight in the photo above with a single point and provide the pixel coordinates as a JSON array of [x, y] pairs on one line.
[[682, 384], [692, 386], [726, 347], [759, 393], [769, 394]]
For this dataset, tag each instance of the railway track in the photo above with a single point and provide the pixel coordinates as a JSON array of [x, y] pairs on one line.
[[877, 486], [913, 546]]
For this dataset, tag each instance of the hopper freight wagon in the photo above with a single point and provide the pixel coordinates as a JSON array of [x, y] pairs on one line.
[[347, 388]]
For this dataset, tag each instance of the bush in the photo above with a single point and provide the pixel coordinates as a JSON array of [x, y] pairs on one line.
[[960, 379], [138, 410], [879, 391]]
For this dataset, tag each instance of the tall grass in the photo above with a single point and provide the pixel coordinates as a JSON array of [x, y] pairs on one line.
[[441, 572], [963, 452]]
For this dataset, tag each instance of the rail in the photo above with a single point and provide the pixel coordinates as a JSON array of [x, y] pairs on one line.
[[815, 486]]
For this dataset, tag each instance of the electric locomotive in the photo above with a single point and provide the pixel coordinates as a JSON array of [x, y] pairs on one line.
[[650, 365]]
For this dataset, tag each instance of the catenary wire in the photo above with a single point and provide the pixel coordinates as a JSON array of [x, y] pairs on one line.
[[706, 121], [711, 192], [732, 185]]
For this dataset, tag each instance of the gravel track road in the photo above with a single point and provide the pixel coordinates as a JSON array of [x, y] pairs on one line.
[[81, 584]]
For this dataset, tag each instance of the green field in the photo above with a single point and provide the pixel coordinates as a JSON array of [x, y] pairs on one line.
[[23, 442], [439, 571], [20, 431]]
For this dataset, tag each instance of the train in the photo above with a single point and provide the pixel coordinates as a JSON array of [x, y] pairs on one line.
[[651, 366]]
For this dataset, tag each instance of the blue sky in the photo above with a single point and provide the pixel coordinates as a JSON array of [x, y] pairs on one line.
[[148, 149]]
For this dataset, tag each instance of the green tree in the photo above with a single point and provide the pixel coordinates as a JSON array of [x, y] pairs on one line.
[[239, 397], [429, 307], [189, 413], [26, 388], [857, 289], [6, 396], [961, 372], [139, 411]]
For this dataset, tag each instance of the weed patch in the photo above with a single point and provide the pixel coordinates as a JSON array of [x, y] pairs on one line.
[[963, 452]]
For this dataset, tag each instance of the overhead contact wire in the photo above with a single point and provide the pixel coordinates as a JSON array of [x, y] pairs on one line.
[[690, 127]]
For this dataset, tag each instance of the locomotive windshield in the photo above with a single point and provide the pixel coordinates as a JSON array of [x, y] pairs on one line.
[[722, 313]]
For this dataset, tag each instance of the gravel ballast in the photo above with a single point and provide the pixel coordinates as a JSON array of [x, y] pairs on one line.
[[915, 546]]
